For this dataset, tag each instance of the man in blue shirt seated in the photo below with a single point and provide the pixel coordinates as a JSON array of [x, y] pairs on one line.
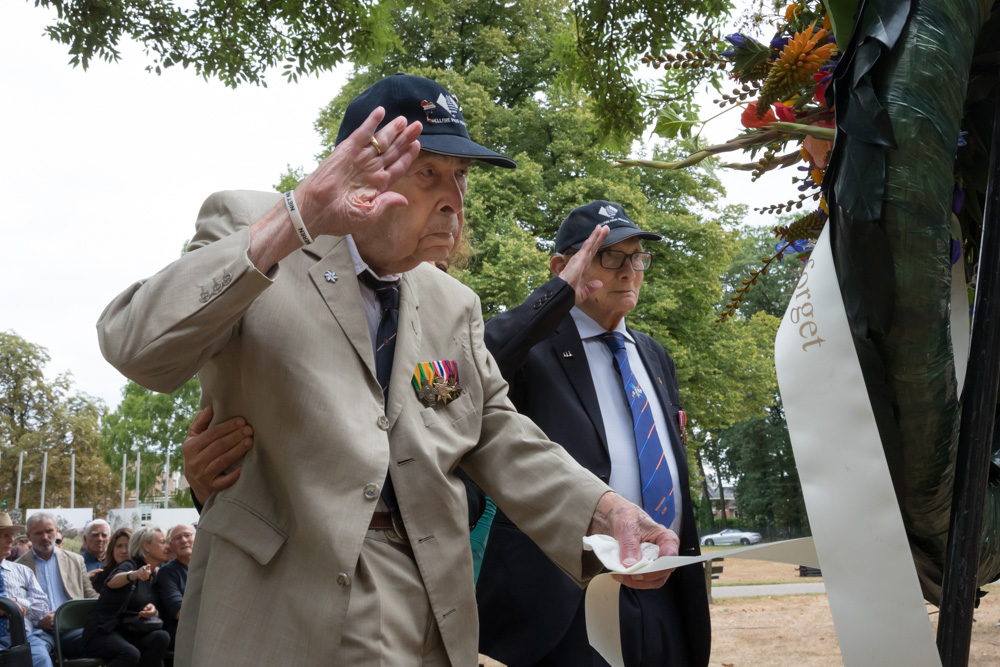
[[62, 576], [172, 577]]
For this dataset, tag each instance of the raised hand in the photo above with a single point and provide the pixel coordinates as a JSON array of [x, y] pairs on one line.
[[573, 270], [351, 186]]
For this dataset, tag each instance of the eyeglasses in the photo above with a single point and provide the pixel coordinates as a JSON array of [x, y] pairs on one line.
[[615, 259]]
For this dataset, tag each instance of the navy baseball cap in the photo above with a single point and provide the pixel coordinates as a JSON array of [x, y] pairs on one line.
[[580, 223], [417, 98]]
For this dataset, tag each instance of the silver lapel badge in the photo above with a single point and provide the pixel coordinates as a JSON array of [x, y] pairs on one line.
[[567, 354], [331, 277]]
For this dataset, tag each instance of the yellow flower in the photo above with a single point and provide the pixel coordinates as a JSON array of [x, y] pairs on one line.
[[792, 10]]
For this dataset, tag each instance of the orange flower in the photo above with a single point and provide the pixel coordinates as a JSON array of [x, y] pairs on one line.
[[791, 11], [749, 117]]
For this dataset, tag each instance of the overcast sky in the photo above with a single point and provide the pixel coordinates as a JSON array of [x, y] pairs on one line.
[[102, 174]]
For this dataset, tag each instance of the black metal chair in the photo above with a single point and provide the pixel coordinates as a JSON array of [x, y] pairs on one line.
[[19, 653], [70, 616]]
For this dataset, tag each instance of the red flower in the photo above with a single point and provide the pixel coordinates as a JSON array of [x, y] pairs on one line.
[[783, 113], [750, 120]]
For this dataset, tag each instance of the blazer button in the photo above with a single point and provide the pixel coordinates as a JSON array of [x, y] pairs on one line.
[[383, 423], [371, 491], [343, 580]]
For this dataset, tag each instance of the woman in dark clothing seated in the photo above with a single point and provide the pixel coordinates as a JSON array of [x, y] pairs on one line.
[[128, 591], [116, 553]]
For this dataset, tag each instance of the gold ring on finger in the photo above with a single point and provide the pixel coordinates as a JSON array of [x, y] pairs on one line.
[[374, 142]]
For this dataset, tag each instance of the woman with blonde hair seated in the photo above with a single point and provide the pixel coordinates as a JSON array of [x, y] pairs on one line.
[[124, 629]]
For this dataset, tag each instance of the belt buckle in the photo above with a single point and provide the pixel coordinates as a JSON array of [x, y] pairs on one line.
[[398, 529]]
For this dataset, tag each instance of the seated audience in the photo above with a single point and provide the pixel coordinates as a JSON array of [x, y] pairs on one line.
[[95, 542], [18, 583], [115, 554], [172, 577], [128, 594], [61, 574]]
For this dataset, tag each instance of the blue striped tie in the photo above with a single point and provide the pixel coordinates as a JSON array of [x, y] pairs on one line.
[[654, 474]]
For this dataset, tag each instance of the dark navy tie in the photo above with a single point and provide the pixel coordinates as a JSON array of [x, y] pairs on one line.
[[654, 474], [385, 348]]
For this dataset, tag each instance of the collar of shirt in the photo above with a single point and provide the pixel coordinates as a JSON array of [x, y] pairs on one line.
[[360, 265], [588, 328]]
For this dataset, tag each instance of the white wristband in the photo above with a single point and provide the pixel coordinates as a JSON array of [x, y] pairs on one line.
[[293, 213]]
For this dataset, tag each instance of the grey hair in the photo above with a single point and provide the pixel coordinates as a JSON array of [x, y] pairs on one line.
[[96, 522], [140, 538], [38, 517]]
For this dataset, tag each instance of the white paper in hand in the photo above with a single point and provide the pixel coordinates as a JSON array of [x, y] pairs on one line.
[[608, 552]]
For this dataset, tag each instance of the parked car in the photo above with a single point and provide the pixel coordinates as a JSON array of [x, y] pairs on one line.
[[730, 536]]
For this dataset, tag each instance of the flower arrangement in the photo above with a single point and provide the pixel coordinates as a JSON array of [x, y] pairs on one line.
[[782, 93]]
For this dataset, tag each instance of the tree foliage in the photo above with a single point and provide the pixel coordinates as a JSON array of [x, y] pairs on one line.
[[40, 415], [149, 425], [236, 40]]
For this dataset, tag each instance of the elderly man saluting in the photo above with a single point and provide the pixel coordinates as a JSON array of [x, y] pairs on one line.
[[363, 371]]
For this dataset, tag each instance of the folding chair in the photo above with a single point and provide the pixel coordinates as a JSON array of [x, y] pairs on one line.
[[19, 653], [70, 616]]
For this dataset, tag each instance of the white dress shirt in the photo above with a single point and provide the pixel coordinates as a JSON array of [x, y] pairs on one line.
[[373, 309], [617, 415], [20, 585]]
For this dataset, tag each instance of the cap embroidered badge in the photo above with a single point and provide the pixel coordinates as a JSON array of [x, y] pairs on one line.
[[437, 382]]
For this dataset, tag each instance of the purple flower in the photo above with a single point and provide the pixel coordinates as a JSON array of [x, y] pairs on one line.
[[779, 43], [962, 141], [957, 200], [956, 251], [730, 54], [737, 40]]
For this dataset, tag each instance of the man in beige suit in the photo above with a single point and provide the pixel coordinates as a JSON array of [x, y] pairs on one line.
[[61, 574], [345, 539]]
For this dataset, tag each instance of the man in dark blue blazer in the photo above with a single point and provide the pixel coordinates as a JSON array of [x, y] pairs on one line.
[[561, 373]]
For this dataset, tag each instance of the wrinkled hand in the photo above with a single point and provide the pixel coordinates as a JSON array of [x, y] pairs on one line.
[[208, 452], [580, 261], [47, 622], [628, 524], [351, 186], [148, 611]]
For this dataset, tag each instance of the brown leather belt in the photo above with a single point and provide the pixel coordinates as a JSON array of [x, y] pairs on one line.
[[391, 522]]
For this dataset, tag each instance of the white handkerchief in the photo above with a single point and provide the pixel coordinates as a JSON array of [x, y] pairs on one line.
[[606, 549]]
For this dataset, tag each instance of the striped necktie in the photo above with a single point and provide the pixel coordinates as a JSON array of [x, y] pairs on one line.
[[385, 349], [654, 475]]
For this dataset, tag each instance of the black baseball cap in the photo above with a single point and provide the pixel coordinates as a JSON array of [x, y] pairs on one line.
[[580, 223], [417, 98]]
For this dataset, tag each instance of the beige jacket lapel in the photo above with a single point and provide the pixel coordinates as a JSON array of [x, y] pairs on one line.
[[407, 347], [342, 297]]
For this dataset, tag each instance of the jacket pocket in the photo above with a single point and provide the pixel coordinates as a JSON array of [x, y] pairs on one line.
[[450, 413], [242, 526]]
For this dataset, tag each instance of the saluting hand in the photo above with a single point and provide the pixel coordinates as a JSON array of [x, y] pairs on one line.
[[574, 268], [351, 187]]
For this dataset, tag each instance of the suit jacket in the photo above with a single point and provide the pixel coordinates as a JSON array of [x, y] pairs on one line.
[[269, 580], [72, 571], [523, 623]]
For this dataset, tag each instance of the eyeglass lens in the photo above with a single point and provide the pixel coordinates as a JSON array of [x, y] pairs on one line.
[[615, 259]]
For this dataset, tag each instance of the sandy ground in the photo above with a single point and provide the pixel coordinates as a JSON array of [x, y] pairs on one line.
[[798, 629]]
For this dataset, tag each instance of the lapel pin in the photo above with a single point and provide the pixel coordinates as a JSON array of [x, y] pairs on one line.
[[567, 355], [331, 277], [659, 379]]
